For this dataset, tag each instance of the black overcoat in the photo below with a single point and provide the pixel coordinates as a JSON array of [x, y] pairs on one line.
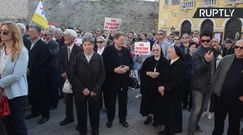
[[38, 61], [86, 74], [174, 89], [113, 59], [150, 102]]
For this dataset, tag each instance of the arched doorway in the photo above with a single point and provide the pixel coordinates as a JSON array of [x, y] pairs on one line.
[[233, 29], [186, 27], [207, 25]]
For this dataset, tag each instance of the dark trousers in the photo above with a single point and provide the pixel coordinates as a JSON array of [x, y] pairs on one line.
[[2, 128], [52, 85], [212, 102], [39, 96], [187, 97], [111, 102], [15, 123], [39, 106], [69, 105], [103, 99], [231, 106], [93, 108], [61, 81]]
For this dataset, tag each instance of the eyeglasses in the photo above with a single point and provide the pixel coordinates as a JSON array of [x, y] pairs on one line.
[[241, 47], [4, 32], [100, 42], [177, 39], [45, 35], [205, 41], [78, 32], [160, 34]]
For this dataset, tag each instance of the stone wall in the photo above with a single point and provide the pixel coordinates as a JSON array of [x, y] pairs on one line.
[[14, 10], [137, 15]]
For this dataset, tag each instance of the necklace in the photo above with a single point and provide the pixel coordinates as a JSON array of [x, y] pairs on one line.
[[7, 52]]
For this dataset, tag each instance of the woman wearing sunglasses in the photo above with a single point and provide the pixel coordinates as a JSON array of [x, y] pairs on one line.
[[13, 83]]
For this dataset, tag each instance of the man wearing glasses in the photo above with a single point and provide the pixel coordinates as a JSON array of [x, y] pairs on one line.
[[228, 87], [203, 65], [160, 40]]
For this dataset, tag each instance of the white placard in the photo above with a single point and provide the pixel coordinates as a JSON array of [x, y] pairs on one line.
[[142, 48], [112, 24], [217, 36]]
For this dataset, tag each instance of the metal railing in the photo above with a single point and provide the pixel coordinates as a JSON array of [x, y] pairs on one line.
[[209, 3], [188, 4], [233, 2]]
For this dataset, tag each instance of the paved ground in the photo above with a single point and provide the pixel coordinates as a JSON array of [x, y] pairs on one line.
[[134, 119]]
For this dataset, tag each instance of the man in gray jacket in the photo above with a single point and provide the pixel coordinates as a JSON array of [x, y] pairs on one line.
[[203, 65], [228, 86]]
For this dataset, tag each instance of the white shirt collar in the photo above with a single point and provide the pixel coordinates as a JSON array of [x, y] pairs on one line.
[[88, 57], [33, 42], [100, 50], [70, 47], [174, 60], [156, 58]]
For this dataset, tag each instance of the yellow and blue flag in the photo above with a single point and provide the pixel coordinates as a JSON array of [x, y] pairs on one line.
[[39, 16]]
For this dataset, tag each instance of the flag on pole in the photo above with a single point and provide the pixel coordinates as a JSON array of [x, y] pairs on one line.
[[39, 16]]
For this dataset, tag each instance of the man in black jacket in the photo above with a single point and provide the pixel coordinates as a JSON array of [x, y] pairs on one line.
[[203, 66], [66, 58], [228, 87], [37, 76], [117, 62], [52, 68]]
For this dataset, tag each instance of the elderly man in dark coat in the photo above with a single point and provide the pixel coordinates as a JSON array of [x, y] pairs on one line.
[[228, 87], [66, 58]]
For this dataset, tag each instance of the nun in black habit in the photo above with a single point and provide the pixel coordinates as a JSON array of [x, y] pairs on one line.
[[173, 92], [151, 73]]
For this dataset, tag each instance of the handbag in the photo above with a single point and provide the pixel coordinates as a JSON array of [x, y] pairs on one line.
[[4, 107], [133, 81], [67, 87]]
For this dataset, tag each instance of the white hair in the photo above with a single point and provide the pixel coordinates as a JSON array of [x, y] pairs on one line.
[[239, 41], [101, 37], [156, 46], [22, 27], [195, 39], [52, 28], [88, 34], [59, 30], [71, 33]]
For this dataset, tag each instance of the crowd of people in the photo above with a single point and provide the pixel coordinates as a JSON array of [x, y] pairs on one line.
[[91, 70]]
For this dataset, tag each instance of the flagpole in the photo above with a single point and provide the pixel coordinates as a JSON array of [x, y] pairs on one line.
[[30, 22]]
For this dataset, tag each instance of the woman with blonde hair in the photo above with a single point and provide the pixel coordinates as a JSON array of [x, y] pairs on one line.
[[13, 81]]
